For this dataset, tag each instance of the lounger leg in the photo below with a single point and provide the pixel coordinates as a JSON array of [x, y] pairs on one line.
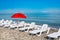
[[48, 30], [40, 34], [27, 30]]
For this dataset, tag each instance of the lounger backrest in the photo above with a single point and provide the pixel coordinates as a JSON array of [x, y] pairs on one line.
[[2, 20], [45, 24], [14, 22], [10, 21], [23, 22], [32, 24], [59, 30], [7, 21], [44, 27], [35, 26]]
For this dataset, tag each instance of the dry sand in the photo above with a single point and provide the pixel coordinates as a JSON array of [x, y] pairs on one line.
[[9, 34]]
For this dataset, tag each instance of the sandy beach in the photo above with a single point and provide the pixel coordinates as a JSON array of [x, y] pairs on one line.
[[9, 34]]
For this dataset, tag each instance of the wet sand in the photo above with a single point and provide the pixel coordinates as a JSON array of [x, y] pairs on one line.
[[9, 34]]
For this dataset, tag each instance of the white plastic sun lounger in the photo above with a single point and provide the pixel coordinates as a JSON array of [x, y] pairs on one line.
[[21, 24], [28, 28], [8, 23], [3, 23], [54, 35], [44, 28], [12, 26]]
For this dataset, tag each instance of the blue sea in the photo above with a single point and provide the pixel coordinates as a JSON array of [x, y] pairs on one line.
[[53, 20]]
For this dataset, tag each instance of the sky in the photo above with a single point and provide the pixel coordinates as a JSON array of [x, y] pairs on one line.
[[27, 6]]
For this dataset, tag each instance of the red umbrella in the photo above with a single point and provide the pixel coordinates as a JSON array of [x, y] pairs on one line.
[[18, 15]]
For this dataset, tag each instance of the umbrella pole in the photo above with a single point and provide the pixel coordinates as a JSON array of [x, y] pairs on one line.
[[17, 23]]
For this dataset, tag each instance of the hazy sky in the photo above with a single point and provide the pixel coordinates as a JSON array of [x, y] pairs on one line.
[[11, 6]]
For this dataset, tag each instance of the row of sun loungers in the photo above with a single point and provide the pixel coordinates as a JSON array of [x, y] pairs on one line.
[[32, 28]]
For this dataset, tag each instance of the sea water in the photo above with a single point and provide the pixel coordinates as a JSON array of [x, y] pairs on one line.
[[52, 20]]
